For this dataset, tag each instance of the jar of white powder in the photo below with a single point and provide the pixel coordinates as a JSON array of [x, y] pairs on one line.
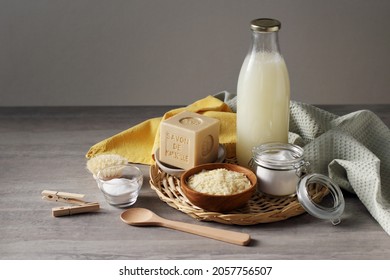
[[278, 167], [281, 171]]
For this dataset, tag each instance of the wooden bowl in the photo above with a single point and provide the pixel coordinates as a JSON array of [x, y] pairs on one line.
[[218, 203]]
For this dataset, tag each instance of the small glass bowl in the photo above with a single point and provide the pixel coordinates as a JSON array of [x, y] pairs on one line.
[[120, 184]]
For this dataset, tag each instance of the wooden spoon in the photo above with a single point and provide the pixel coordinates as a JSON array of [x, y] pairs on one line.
[[145, 217]]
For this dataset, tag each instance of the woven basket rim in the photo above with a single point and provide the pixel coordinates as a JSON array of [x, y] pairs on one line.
[[260, 209]]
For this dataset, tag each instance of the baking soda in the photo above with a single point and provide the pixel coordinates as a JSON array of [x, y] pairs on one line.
[[120, 191]]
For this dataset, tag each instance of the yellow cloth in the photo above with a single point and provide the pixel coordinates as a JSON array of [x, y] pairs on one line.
[[137, 144]]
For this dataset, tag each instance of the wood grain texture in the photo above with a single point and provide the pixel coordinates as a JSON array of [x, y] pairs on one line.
[[44, 148]]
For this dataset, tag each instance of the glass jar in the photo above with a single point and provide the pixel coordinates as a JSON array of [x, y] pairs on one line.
[[281, 171], [278, 167]]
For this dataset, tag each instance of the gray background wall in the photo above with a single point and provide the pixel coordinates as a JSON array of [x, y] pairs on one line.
[[173, 52]]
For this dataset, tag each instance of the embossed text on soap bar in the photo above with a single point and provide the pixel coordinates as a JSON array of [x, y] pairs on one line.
[[176, 147]]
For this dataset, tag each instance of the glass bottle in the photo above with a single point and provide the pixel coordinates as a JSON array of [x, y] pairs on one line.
[[263, 92]]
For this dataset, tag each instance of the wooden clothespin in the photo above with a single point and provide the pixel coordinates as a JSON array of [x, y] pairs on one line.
[[79, 205]]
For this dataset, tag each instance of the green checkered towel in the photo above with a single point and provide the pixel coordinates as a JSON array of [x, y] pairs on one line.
[[353, 150]]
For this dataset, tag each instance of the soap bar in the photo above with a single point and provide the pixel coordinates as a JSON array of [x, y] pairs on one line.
[[189, 139]]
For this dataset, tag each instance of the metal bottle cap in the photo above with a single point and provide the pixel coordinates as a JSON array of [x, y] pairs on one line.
[[265, 25]]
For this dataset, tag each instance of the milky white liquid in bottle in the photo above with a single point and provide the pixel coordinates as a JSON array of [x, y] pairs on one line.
[[263, 97]]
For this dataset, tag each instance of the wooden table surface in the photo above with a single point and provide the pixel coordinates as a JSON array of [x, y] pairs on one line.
[[44, 148]]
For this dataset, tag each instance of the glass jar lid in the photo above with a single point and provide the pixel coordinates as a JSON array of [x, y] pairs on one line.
[[265, 25], [279, 156], [332, 205]]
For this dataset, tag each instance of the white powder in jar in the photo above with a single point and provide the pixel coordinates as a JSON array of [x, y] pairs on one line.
[[219, 182]]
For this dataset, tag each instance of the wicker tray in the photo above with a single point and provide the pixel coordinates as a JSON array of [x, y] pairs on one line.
[[260, 209]]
